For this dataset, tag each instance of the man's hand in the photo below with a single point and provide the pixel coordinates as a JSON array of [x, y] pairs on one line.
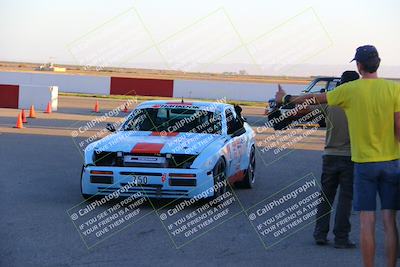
[[279, 94], [319, 98]]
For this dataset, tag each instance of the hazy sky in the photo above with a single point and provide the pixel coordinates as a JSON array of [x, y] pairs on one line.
[[201, 35]]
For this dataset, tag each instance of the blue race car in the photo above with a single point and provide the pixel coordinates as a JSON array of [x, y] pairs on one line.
[[172, 150]]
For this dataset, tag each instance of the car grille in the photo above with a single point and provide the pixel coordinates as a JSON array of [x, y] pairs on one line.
[[105, 159], [182, 182], [181, 161], [148, 191], [97, 179]]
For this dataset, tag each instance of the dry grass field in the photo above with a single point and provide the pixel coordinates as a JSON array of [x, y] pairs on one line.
[[159, 74]]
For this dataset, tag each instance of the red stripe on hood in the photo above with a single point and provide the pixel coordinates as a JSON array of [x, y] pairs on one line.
[[147, 148], [164, 133]]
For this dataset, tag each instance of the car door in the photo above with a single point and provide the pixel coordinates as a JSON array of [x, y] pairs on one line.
[[236, 145]]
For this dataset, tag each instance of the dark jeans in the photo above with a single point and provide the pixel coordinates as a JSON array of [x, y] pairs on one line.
[[336, 171]]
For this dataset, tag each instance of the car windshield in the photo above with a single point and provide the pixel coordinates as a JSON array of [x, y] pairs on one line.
[[167, 119], [318, 87]]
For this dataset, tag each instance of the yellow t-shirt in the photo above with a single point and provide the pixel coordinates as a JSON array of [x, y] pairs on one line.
[[370, 105]]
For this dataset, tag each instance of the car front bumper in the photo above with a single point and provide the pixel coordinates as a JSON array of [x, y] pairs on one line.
[[161, 182]]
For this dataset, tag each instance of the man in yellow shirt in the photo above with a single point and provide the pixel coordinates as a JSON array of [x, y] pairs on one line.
[[372, 108]]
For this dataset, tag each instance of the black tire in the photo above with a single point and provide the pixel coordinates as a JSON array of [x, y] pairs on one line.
[[249, 178], [85, 196], [219, 174]]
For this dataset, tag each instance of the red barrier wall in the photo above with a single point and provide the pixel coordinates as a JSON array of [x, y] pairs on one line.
[[136, 86], [9, 96]]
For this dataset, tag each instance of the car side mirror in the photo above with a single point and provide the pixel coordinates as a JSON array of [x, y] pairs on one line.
[[237, 129], [110, 127], [238, 132], [322, 90]]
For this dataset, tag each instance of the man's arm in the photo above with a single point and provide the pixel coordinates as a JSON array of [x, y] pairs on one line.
[[397, 125], [320, 98]]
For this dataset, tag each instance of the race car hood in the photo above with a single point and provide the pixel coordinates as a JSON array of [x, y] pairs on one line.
[[155, 142]]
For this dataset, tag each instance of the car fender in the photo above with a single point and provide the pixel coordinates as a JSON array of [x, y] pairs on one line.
[[88, 153], [210, 155], [250, 142]]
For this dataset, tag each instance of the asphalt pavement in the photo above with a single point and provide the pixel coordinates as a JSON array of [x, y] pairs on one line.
[[40, 187]]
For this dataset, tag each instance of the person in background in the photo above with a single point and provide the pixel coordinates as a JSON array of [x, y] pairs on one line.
[[372, 107], [337, 170]]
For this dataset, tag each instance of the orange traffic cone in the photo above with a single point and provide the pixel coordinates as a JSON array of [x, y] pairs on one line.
[[19, 124], [48, 109], [125, 109], [96, 107], [32, 113], [23, 116]]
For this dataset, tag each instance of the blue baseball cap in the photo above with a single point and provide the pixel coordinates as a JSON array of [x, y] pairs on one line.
[[366, 53]]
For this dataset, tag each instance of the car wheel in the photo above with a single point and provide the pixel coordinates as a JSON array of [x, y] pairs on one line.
[[85, 196], [219, 176], [249, 178]]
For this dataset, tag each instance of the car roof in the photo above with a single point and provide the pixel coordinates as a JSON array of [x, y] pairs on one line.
[[325, 78], [178, 103]]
